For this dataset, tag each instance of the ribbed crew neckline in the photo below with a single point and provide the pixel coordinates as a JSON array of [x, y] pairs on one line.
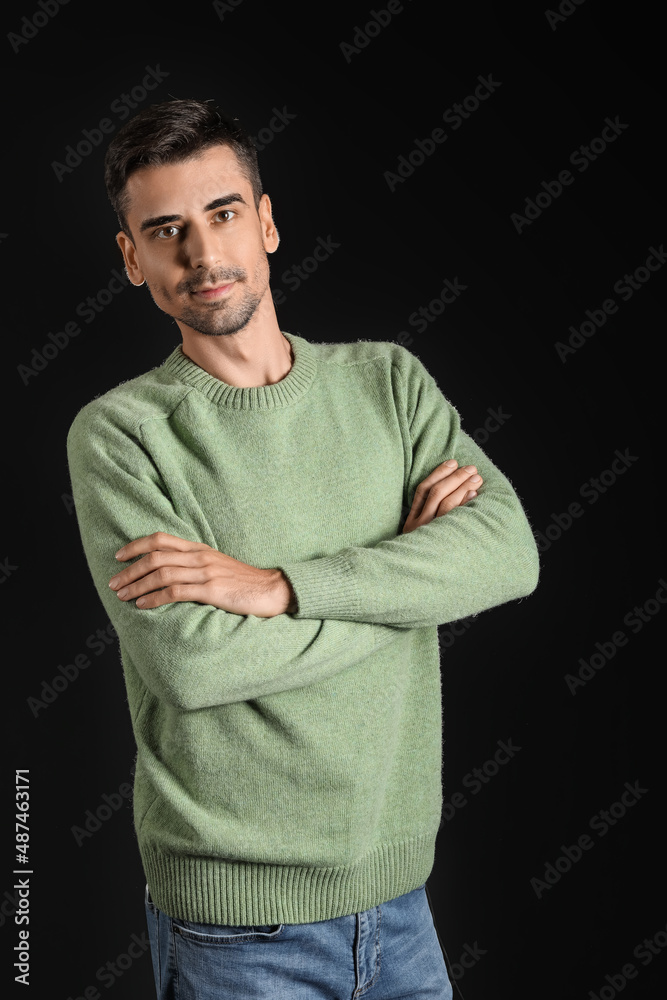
[[256, 397]]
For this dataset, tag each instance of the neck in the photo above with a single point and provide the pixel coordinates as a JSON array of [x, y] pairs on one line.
[[257, 355]]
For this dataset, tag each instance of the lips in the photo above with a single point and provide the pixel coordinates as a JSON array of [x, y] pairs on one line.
[[208, 292]]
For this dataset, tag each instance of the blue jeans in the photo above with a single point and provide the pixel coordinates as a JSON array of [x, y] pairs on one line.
[[386, 953]]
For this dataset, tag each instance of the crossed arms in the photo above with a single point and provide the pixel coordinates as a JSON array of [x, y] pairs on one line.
[[172, 569], [215, 630]]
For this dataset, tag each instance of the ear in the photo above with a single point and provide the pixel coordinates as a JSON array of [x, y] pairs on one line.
[[270, 237], [128, 250]]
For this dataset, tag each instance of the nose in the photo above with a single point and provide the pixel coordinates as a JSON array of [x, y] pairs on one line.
[[203, 247]]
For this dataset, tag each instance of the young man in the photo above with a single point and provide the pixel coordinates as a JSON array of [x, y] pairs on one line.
[[242, 509]]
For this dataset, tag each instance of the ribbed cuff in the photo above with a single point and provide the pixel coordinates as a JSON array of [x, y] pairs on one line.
[[214, 891], [324, 588]]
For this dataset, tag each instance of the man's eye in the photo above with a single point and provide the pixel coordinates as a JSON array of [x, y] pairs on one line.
[[165, 233], [226, 211]]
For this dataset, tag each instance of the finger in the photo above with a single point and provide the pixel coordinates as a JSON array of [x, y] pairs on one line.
[[154, 561], [445, 468], [455, 498], [172, 595], [440, 472], [158, 540], [425, 502], [445, 488], [167, 577], [464, 494]]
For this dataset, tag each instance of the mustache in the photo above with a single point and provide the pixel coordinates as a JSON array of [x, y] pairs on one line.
[[218, 276]]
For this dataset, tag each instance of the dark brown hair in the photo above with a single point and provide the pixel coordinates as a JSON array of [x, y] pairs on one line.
[[168, 133]]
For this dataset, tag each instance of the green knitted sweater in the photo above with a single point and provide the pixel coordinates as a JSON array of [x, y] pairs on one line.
[[289, 769]]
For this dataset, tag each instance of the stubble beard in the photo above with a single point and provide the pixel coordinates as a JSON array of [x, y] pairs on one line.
[[219, 319]]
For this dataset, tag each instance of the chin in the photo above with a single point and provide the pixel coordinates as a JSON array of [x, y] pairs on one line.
[[223, 327]]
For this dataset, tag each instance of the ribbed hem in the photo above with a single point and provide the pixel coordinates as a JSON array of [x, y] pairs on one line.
[[217, 892], [257, 397], [324, 587]]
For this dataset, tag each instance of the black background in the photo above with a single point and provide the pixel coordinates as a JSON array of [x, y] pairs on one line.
[[492, 349]]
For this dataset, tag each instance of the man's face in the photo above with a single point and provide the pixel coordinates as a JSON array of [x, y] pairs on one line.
[[200, 243]]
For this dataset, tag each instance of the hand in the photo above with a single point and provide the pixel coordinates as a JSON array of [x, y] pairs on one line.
[[446, 487], [173, 569]]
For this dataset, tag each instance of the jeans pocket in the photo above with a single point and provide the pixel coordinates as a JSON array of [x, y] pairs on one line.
[[148, 901], [225, 934]]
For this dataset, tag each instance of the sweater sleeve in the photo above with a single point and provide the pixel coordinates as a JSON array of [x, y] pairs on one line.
[[188, 654], [475, 557]]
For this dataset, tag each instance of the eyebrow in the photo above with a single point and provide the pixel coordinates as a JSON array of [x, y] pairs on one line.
[[163, 220]]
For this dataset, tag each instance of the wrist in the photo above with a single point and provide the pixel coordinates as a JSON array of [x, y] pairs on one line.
[[286, 602]]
